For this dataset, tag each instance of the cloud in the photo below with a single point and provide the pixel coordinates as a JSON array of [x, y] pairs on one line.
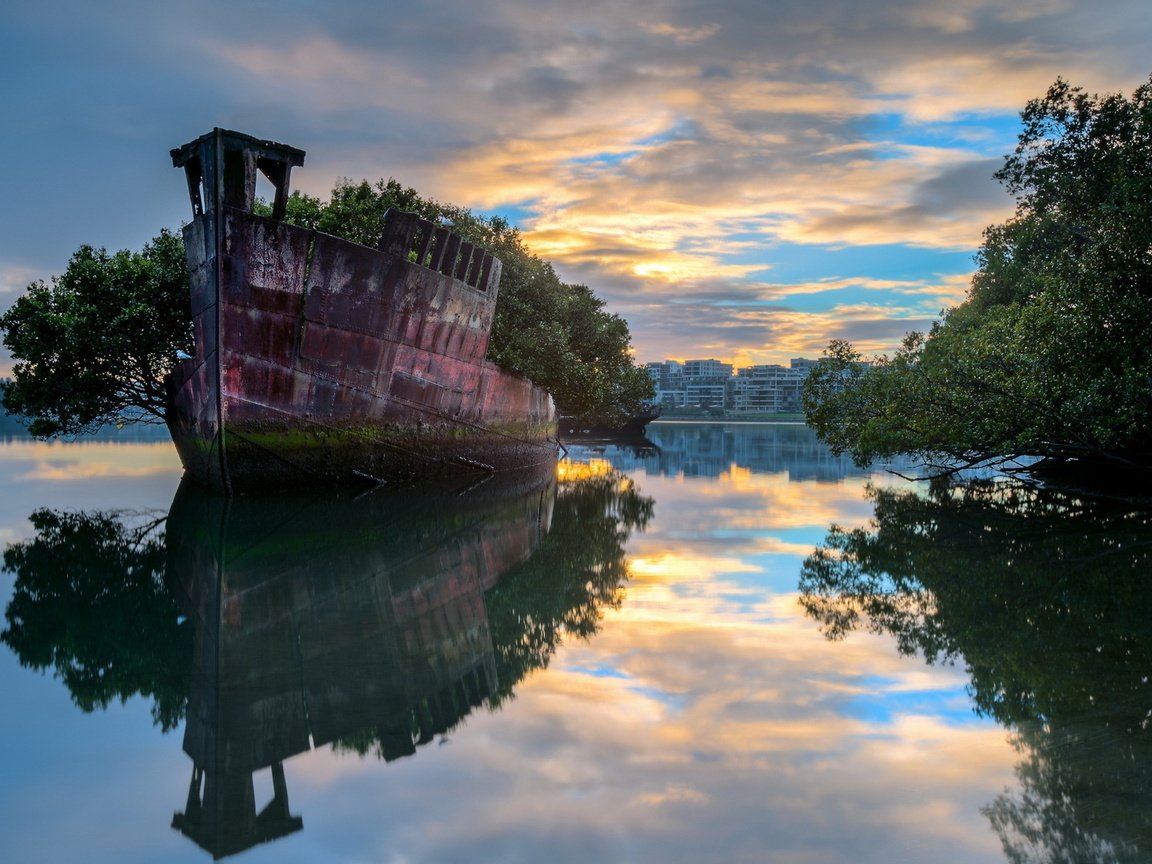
[[748, 333], [14, 278], [652, 147], [77, 462]]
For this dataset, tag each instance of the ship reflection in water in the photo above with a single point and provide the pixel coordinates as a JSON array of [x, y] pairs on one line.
[[320, 619], [371, 624]]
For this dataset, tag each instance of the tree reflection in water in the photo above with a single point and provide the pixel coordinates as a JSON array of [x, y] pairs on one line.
[[1045, 598], [272, 626], [91, 604]]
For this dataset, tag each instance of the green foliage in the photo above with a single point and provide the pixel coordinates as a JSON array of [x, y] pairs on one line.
[[94, 346], [90, 604], [10, 424], [1043, 596], [554, 333], [1049, 354]]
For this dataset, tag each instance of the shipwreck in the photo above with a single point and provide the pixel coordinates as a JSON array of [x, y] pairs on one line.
[[319, 361]]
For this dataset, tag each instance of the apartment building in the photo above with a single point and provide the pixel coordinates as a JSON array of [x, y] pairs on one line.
[[711, 384]]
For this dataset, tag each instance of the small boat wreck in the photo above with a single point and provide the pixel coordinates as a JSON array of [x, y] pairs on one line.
[[321, 362]]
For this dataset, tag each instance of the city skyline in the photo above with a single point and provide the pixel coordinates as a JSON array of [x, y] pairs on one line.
[[736, 180], [768, 388]]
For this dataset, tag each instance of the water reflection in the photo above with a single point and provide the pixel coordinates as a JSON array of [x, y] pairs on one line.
[[712, 449], [371, 624], [91, 604], [1044, 598]]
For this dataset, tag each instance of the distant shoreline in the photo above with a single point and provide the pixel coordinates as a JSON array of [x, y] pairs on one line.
[[729, 418]]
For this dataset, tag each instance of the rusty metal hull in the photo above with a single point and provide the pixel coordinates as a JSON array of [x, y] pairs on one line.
[[322, 362]]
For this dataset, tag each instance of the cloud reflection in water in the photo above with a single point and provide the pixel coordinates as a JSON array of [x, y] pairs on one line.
[[709, 719], [705, 719]]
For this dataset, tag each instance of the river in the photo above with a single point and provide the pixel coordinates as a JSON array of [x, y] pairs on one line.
[[640, 660]]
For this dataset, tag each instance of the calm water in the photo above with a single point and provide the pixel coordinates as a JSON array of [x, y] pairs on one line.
[[638, 661]]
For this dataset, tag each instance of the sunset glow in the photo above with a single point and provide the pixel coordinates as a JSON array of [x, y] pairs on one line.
[[736, 182]]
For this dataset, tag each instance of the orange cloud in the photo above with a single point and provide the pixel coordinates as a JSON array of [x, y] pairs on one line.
[[70, 462]]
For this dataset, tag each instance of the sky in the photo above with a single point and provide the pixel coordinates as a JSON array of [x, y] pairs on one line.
[[738, 179]]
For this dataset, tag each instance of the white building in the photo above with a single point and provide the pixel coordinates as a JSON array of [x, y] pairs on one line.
[[691, 384], [768, 389]]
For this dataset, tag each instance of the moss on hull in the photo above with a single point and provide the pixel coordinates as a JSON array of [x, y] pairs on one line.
[[268, 457]]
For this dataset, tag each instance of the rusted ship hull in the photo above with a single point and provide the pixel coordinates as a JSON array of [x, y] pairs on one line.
[[322, 362]]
